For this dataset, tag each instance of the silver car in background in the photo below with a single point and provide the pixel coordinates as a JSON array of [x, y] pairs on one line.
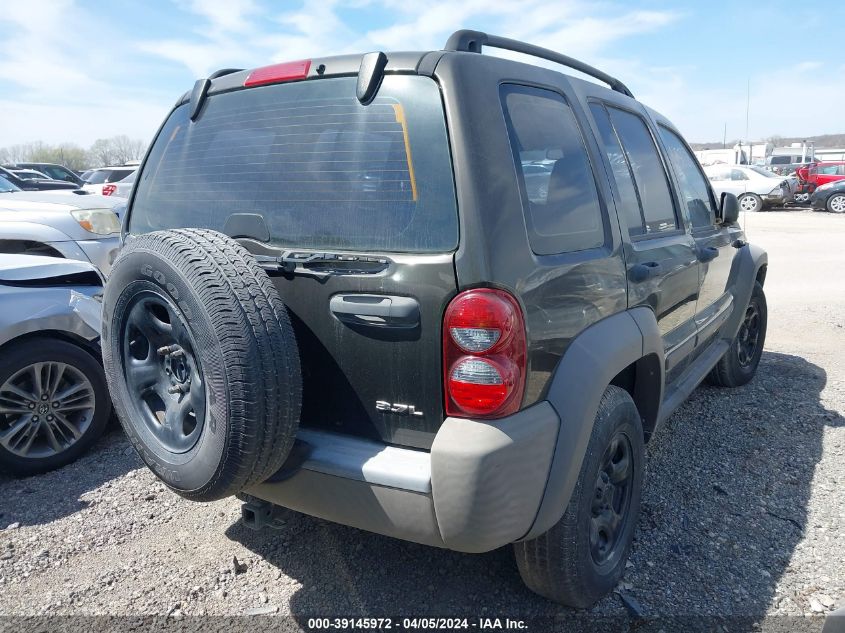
[[54, 402], [72, 225]]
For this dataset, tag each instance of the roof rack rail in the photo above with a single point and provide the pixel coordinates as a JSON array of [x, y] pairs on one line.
[[224, 71], [472, 41]]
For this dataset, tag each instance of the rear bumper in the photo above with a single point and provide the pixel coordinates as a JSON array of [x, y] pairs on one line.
[[480, 486]]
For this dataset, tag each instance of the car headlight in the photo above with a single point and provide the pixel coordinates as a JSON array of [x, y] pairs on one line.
[[777, 191], [99, 221]]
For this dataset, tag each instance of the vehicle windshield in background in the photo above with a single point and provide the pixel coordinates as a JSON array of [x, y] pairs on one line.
[[6, 186], [323, 170], [765, 172]]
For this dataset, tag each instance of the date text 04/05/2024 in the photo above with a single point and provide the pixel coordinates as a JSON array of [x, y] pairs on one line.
[[410, 624]]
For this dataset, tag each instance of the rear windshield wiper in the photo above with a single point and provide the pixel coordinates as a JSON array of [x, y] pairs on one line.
[[322, 264]]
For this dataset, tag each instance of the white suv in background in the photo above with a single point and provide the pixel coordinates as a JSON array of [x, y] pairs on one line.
[[102, 179]]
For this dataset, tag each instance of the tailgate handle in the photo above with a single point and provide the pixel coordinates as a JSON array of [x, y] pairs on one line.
[[376, 310]]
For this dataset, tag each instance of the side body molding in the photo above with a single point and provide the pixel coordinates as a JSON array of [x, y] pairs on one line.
[[590, 363]]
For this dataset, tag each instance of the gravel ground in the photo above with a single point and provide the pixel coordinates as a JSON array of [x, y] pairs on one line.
[[743, 511]]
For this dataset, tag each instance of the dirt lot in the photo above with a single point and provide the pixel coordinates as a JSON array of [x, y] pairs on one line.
[[743, 511]]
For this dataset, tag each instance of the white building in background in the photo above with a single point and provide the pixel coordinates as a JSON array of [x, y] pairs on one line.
[[766, 154], [740, 154]]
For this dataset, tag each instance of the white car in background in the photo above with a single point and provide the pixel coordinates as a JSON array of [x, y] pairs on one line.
[[124, 187], [755, 187], [103, 180]]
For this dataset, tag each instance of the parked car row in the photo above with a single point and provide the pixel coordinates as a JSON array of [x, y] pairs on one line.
[[48, 176], [815, 174]]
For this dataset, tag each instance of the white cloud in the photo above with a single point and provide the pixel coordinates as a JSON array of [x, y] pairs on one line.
[[67, 74], [65, 77], [224, 16]]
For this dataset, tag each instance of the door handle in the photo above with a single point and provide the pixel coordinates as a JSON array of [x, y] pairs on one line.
[[645, 271], [707, 254], [376, 310]]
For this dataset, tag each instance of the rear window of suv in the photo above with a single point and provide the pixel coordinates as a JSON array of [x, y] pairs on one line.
[[323, 170]]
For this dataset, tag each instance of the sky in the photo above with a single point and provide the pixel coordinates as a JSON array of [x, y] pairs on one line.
[[74, 70]]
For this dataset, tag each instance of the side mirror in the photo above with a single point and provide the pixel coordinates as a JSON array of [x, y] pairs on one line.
[[729, 210]]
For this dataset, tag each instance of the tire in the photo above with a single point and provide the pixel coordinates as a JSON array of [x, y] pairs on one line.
[[739, 364], [750, 202], [562, 564], [836, 203], [201, 361], [62, 425]]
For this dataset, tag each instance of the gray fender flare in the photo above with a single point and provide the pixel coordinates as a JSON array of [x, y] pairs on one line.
[[741, 280], [587, 367]]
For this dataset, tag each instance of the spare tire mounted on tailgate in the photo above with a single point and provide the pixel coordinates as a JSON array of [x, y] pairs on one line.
[[201, 361]]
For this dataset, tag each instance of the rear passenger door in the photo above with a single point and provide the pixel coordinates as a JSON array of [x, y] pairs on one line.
[[714, 242], [660, 253]]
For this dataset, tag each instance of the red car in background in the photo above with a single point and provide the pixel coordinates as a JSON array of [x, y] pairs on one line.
[[815, 174]]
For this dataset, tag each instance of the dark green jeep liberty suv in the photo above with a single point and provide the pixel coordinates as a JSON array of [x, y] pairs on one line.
[[441, 296]]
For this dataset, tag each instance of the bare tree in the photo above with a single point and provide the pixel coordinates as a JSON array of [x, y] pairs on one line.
[[126, 149]]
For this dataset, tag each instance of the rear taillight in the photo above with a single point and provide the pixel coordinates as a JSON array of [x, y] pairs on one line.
[[277, 73], [109, 189], [484, 359]]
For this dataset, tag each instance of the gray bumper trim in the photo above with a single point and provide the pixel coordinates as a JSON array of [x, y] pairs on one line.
[[479, 488], [365, 460]]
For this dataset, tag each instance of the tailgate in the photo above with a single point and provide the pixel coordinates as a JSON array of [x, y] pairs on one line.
[[370, 347]]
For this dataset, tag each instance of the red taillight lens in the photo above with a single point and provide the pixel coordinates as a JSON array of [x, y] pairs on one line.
[[483, 354], [109, 189], [277, 73]]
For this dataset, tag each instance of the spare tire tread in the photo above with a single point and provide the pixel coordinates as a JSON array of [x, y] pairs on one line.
[[279, 353], [247, 315]]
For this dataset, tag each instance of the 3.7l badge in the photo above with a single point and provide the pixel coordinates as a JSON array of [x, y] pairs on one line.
[[401, 409]]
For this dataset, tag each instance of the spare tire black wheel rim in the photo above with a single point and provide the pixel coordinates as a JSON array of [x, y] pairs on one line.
[[749, 335], [163, 372], [612, 500]]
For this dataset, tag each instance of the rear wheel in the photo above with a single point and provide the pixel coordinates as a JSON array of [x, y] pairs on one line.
[[582, 557], [53, 405], [739, 364], [202, 362], [750, 202], [836, 203]]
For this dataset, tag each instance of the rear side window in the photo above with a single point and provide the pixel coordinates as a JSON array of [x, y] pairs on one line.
[[560, 197], [628, 203], [694, 189], [323, 170], [647, 169]]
